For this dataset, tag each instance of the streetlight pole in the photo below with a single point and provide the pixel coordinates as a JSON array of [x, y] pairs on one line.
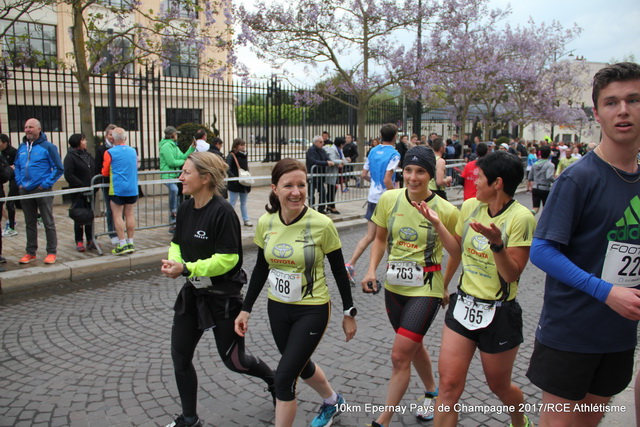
[[417, 115], [555, 59]]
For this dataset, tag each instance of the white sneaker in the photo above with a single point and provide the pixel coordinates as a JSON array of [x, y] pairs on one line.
[[248, 223], [426, 410], [9, 232]]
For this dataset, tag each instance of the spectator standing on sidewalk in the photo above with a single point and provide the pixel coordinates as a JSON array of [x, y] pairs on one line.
[[172, 159], [587, 334], [470, 173], [6, 174], [37, 168], [238, 157], [78, 171], [201, 141], [100, 150], [9, 153], [350, 151], [316, 156], [541, 178], [334, 152], [121, 164]]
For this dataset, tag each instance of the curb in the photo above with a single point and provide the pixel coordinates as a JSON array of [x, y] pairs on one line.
[[41, 277]]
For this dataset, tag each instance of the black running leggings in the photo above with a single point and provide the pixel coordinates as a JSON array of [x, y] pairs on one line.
[[297, 331], [185, 336]]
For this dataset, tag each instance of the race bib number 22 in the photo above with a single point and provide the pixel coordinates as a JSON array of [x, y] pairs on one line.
[[622, 264]]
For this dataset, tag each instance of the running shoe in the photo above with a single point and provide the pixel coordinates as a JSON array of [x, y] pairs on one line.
[[327, 413], [351, 272], [248, 223], [131, 247], [27, 259], [182, 422], [120, 250], [50, 259], [9, 232], [528, 424], [375, 424], [425, 412], [80, 247]]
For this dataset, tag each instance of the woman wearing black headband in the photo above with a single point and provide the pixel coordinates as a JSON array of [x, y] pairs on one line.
[[415, 287]]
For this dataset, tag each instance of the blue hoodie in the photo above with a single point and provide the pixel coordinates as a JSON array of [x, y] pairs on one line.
[[37, 164]]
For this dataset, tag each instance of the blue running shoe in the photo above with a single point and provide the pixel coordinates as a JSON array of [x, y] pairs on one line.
[[327, 413]]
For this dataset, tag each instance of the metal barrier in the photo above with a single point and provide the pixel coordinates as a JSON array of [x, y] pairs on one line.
[[151, 207], [350, 187]]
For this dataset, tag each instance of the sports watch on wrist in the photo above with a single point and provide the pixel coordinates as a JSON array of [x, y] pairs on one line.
[[351, 312], [496, 248], [185, 271]]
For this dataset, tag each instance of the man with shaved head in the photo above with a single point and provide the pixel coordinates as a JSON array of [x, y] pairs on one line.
[[121, 164], [37, 168]]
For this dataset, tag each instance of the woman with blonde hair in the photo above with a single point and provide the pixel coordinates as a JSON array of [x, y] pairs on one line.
[[206, 250]]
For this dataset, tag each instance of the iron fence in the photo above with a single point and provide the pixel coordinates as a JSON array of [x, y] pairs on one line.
[[265, 113]]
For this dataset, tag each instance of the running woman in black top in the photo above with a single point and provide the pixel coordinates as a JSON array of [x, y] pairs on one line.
[[206, 250]]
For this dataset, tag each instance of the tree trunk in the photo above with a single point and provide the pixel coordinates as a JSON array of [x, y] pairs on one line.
[[361, 118], [82, 75]]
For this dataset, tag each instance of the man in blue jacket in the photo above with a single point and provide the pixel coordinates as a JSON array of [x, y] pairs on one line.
[[37, 168]]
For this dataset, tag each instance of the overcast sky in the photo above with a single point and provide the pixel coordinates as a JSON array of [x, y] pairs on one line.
[[609, 30]]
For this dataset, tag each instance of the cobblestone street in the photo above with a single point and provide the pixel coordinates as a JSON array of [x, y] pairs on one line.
[[99, 356]]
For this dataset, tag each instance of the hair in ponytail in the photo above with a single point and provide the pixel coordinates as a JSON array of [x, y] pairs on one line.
[[283, 166]]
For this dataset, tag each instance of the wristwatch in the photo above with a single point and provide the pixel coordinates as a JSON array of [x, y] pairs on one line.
[[351, 312], [496, 248], [185, 271]]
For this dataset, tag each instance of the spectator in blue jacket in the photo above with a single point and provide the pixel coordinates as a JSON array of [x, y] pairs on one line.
[[37, 168]]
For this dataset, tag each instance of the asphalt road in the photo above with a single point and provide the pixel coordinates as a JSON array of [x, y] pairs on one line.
[[97, 354]]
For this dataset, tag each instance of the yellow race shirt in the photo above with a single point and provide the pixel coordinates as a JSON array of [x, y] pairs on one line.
[[479, 272], [295, 254], [413, 239]]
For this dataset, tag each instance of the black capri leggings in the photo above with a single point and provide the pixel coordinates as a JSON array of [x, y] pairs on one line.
[[185, 336], [411, 317], [297, 331]]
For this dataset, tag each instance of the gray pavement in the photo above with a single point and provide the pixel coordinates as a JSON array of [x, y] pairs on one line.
[[94, 351]]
